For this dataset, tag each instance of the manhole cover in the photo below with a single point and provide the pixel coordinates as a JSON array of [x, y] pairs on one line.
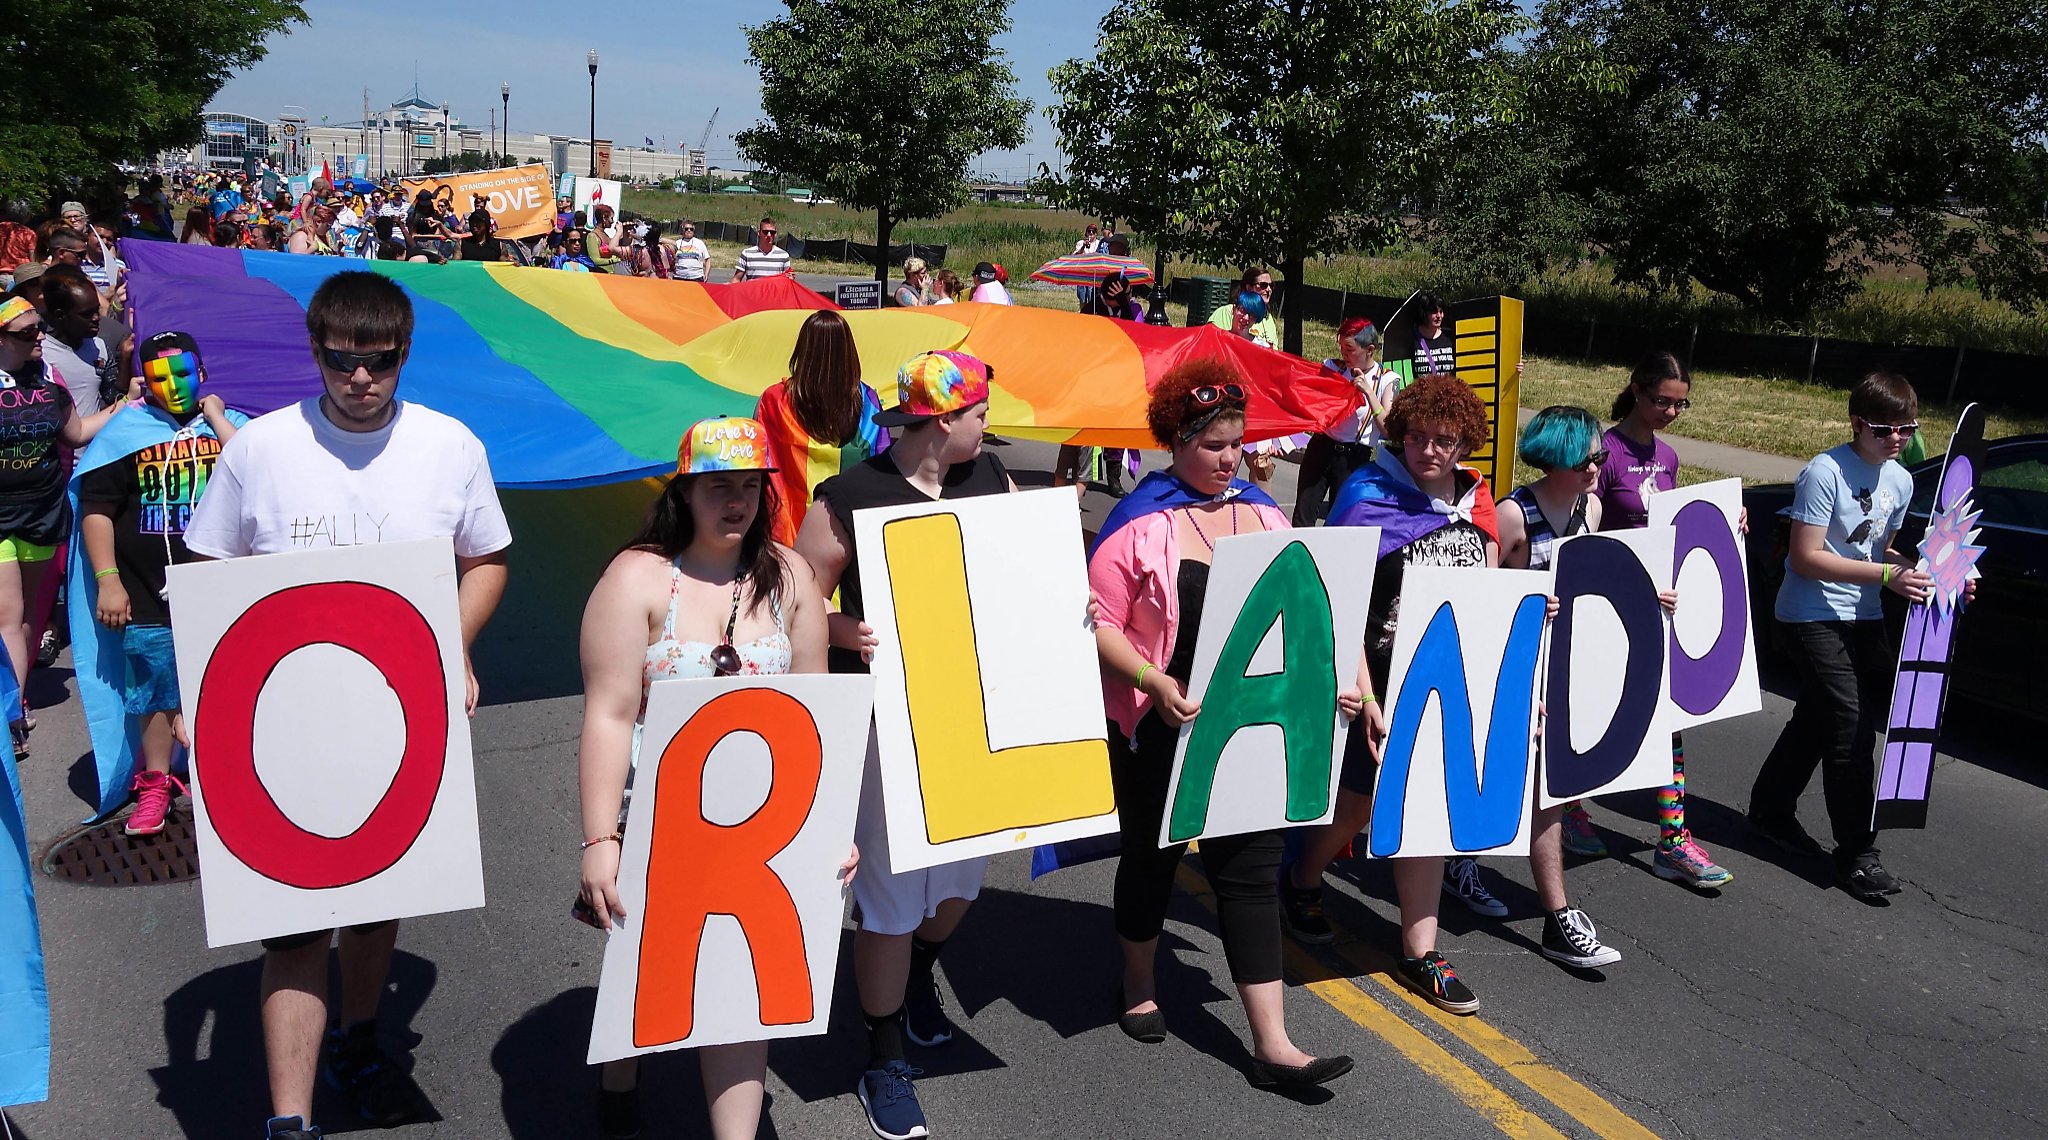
[[103, 855]]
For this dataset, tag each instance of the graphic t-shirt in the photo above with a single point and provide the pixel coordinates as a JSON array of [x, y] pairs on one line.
[[152, 494], [291, 480], [1437, 355], [691, 257], [1860, 504], [1461, 543], [1631, 474], [32, 417]]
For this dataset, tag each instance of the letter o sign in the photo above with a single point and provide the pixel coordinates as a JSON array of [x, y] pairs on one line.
[[385, 630]]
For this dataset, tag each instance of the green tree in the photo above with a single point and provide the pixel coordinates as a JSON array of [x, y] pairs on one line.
[[92, 83], [1778, 150], [1273, 131], [882, 103]]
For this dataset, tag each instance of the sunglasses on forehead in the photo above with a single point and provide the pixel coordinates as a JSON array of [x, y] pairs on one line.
[[383, 361]]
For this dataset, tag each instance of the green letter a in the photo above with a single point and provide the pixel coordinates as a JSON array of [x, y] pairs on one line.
[[1301, 698]]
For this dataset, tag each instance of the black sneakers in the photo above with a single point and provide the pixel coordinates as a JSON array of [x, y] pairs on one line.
[[1569, 937], [1433, 978], [1301, 913], [354, 1064], [924, 1012], [289, 1128], [1785, 832], [1867, 879]]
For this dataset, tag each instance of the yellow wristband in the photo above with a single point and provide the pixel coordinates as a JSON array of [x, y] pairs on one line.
[[1884, 576], [1368, 699], [1142, 670], [98, 574]]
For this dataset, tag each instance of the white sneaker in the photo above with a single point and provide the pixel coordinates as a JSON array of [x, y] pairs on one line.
[[1569, 937]]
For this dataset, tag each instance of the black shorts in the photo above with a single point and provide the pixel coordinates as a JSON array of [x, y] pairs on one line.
[[1360, 769], [301, 941]]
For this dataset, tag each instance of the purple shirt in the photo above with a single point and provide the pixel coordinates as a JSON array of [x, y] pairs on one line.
[[1632, 473]]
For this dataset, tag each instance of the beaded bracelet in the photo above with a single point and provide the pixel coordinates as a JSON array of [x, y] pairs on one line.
[[613, 837]]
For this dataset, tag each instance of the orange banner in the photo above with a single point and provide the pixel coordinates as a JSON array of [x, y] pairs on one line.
[[520, 198]]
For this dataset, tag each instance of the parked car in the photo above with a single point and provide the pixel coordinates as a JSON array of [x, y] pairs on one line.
[[2006, 626]]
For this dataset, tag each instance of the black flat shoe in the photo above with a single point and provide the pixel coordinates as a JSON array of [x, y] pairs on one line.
[[1146, 1028], [1320, 1071]]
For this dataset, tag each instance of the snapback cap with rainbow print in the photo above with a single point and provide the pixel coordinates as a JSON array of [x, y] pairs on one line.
[[937, 384], [724, 443]]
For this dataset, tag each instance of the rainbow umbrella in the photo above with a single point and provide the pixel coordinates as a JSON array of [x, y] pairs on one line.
[[1091, 268], [579, 379]]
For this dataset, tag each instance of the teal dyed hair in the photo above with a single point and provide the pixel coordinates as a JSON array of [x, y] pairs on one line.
[[1559, 436]]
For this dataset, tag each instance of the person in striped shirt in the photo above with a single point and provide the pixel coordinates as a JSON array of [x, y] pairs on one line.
[[761, 259]]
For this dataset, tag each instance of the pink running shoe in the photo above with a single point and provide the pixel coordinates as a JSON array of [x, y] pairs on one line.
[[1579, 836], [152, 802], [1690, 864]]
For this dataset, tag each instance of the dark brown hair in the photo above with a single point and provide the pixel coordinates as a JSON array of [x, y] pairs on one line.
[[1168, 412], [362, 307], [1882, 397], [1654, 370], [1444, 400], [824, 379], [670, 527]]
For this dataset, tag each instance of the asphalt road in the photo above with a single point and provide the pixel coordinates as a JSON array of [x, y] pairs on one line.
[[1780, 1008]]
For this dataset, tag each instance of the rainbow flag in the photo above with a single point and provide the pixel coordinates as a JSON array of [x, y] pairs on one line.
[[802, 462], [577, 379]]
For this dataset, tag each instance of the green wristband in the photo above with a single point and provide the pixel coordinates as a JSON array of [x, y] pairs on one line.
[[1142, 670], [1884, 576], [98, 574]]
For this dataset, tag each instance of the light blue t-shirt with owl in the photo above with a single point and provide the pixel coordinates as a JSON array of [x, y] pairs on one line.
[[1860, 504]]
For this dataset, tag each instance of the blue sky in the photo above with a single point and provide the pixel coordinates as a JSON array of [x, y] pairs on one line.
[[657, 74]]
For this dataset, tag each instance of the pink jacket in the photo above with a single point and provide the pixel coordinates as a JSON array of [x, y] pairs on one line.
[[1135, 574]]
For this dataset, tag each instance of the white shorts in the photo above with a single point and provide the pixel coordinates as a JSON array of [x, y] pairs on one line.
[[891, 902]]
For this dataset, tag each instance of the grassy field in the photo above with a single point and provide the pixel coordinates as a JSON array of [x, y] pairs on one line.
[[1896, 307]]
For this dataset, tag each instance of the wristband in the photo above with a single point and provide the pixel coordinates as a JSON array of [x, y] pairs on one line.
[[614, 837], [98, 574], [1884, 576], [1368, 699], [1142, 670]]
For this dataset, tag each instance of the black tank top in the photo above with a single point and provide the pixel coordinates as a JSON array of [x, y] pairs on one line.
[[1192, 584], [876, 482]]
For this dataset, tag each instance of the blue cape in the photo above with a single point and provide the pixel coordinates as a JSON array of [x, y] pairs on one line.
[[1163, 491], [24, 1000], [102, 669], [1383, 494]]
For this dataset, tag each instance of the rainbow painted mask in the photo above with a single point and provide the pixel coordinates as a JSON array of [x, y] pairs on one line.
[[174, 382]]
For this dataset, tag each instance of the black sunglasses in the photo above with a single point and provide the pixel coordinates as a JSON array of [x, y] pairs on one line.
[[340, 361], [1591, 461], [27, 335]]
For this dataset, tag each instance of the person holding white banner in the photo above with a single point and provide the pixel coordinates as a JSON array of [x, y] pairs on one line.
[[702, 591], [351, 466], [1150, 570]]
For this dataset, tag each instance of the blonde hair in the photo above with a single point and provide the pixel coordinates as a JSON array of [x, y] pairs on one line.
[[914, 265]]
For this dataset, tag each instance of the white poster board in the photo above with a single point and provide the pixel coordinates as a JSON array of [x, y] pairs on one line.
[[988, 693], [1713, 642], [742, 812], [1461, 714], [1288, 607], [591, 191], [1608, 690], [331, 777]]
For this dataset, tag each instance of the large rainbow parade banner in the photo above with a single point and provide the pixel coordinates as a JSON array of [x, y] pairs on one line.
[[576, 379]]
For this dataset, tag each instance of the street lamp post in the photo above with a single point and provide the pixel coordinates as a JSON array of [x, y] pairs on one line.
[[444, 133], [505, 97], [592, 60]]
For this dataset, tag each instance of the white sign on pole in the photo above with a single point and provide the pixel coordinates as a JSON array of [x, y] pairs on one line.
[[988, 692], [331, 778], [1282, 621], [742, 812]]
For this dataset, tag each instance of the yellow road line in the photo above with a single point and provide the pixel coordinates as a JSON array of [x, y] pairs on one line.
[[1500, 1109]]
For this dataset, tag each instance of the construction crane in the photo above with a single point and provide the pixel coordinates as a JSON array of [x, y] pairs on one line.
[[705, 141]]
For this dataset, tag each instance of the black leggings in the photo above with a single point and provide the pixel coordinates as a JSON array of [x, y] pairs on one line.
[[1242, 869]]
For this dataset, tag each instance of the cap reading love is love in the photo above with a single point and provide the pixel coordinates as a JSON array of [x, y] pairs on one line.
[[936, 384], [723, 443]]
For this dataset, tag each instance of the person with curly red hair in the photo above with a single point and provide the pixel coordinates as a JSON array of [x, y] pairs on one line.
[[1432, 510], [1149, 569]]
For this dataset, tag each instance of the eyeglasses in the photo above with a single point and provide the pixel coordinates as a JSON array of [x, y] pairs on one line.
[[1448, 444], [67, 251], [1663, 404], [28, 335], [1210, 395], [1885, 431], [383, 360], [1591, 462]]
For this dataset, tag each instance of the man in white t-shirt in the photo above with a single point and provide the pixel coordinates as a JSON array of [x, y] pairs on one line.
[[693, 257], [763, 258], [353, 465]]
